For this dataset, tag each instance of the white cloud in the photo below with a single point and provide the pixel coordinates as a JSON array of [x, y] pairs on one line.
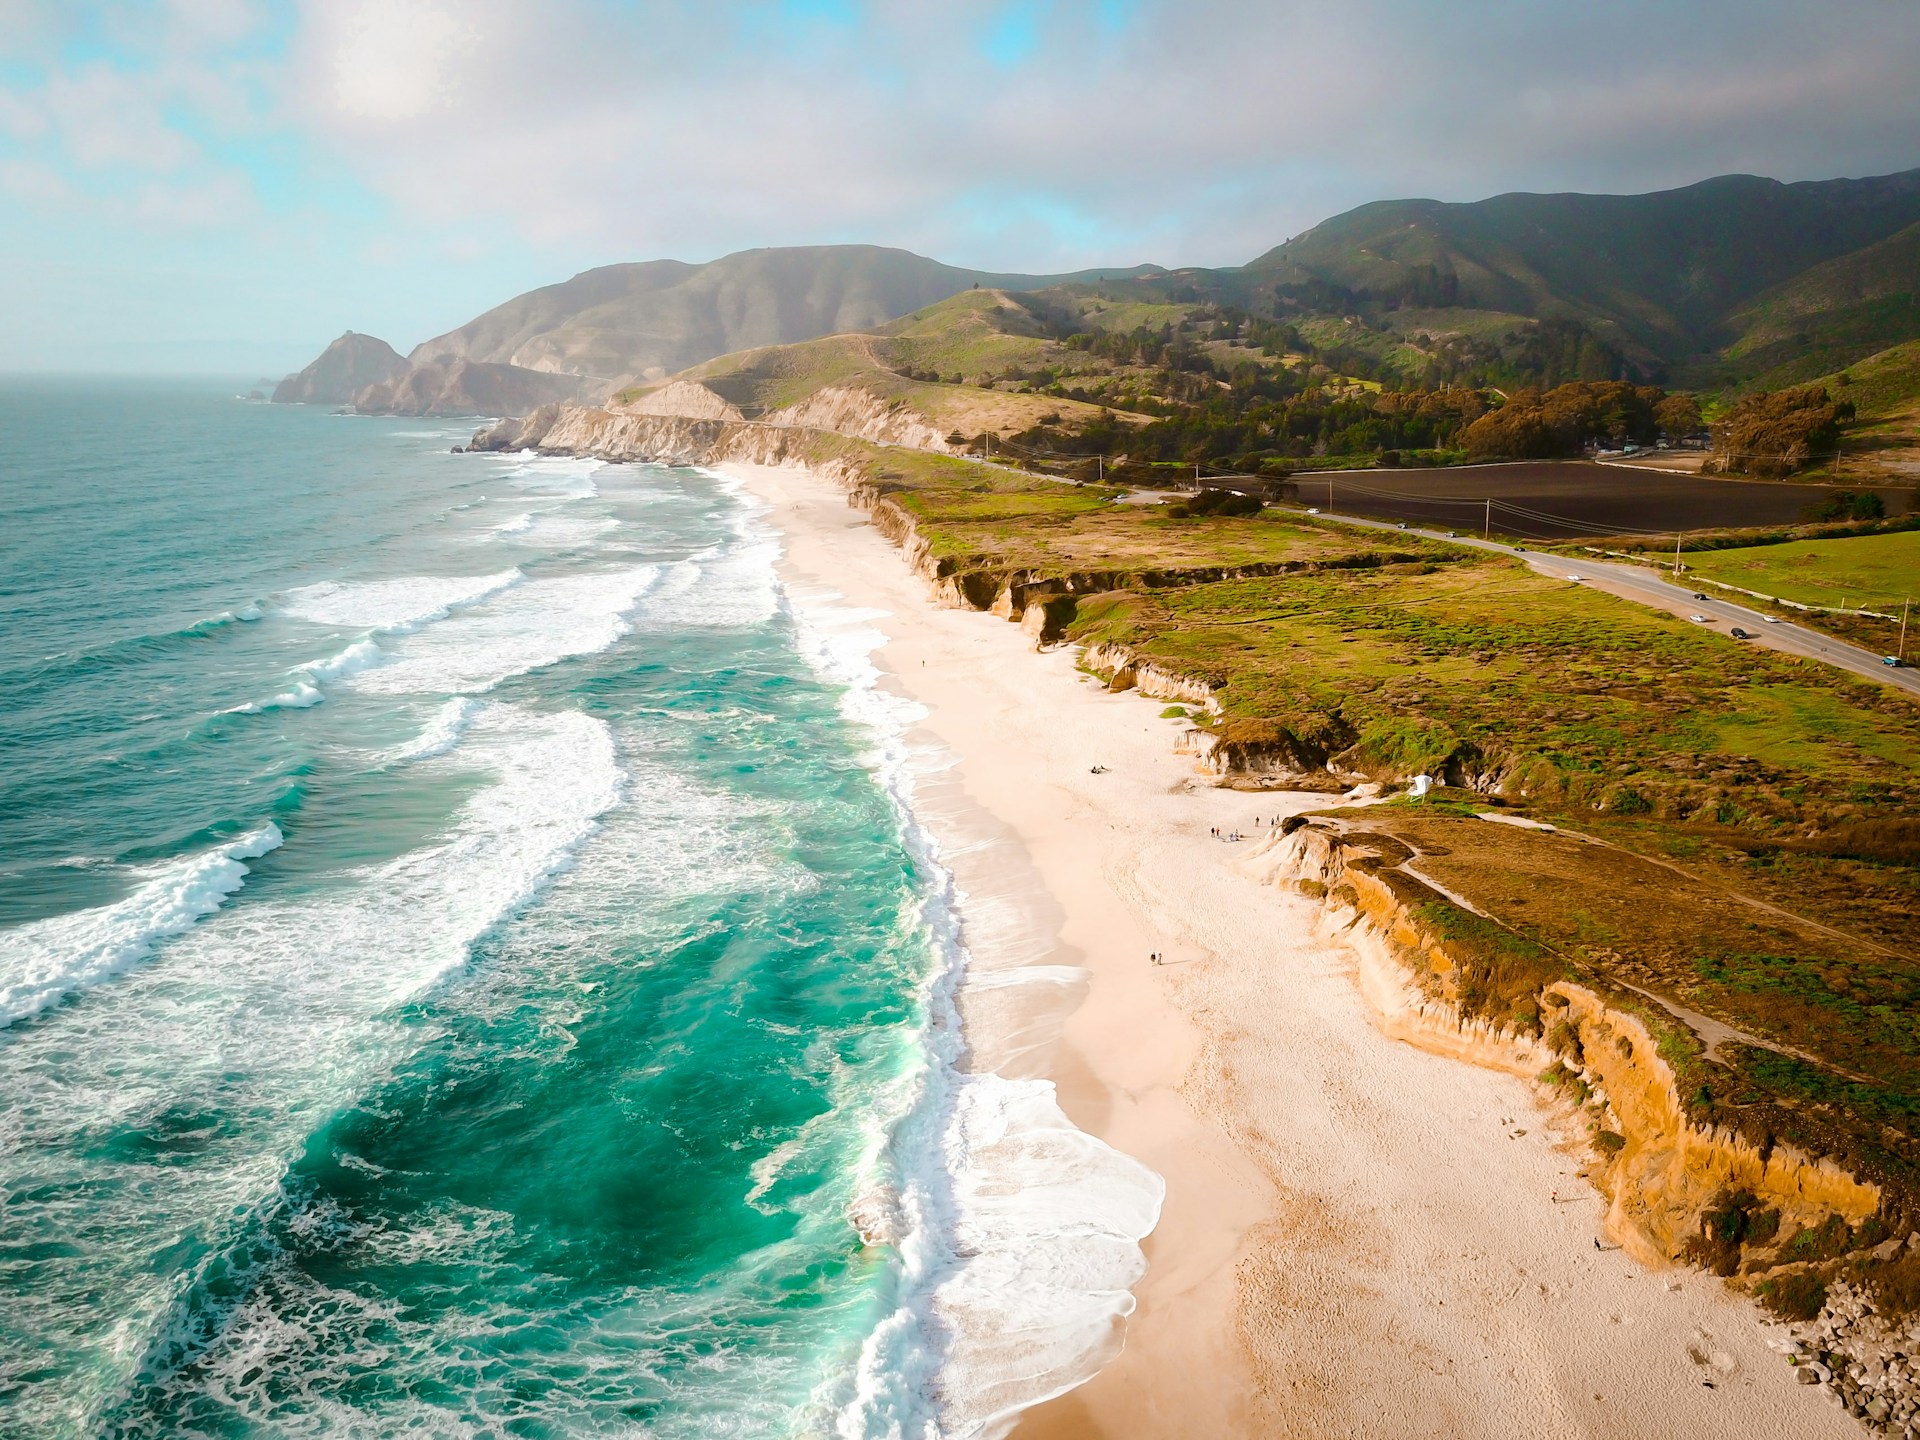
[[1210, 128], [394, 60]]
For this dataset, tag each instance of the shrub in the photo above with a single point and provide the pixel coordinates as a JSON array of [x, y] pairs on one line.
[[1609, 1142], [1799, 1296], [1216, 502], [1819, 1242], [1848, 505]]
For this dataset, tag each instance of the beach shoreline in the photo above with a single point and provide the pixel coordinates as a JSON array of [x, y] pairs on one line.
[[1357, 1238]]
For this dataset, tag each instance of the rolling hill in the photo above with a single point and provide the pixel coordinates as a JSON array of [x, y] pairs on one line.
[[1734, 281], [1660, 277]]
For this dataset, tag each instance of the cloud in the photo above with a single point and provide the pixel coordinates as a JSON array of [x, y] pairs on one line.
[[416, 160], [1208, 129]]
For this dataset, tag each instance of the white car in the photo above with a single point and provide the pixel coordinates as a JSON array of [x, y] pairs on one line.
[[1700, 619], [1576, 577], [1770, 619]]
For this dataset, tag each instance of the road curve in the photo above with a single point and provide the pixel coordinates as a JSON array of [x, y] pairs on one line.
[[1636, 583]]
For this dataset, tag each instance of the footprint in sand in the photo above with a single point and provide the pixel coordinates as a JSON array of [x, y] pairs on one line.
[[1716, 1364]]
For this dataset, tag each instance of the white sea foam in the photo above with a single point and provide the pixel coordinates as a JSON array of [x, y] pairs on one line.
[[553, 531], [443, 732], [1017, 1235], [277, 1011], [306, 691], [568, 476], [536, 623], [394, 605], [44, 960], [361, 655], [303, 695]]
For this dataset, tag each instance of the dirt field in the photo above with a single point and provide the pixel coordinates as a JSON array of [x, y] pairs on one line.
[[1559, 500]]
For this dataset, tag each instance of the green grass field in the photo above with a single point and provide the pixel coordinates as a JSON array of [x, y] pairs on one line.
[[1871, 571]]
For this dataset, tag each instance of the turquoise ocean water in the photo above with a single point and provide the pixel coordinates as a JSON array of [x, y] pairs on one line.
[[462, 969]]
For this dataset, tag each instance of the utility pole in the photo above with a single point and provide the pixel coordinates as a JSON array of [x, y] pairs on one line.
[[1329, 496], [1676, 552], [1901, 653], [1196, 477], [1486, 529], [1100, 467]]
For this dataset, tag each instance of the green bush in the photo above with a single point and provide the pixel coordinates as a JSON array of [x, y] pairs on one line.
[[1800, 1296]]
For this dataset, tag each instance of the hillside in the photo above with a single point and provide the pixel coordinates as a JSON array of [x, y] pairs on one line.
[[930, 372], [1724, 284], [1832, 315], [1884, 389], [345, 368], [647, 321], [1658, 277]]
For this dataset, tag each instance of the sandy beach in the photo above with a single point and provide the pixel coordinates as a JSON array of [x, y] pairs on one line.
[[1358, 1238]]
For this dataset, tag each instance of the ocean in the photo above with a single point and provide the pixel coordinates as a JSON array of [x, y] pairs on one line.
[[469, 965]]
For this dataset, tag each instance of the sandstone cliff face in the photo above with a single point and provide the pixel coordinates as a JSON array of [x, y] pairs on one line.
[[1668, 1171], [687, 398], [849, 410], [345, 368]]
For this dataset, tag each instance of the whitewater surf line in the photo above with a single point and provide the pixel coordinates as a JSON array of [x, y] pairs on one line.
[[44, 961], [1017, 1235]]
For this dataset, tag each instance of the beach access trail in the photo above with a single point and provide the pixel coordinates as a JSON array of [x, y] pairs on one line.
[[1359, 1238]]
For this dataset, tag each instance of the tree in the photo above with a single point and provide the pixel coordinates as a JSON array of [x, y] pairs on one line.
[[1776, 433], [1678, 416]]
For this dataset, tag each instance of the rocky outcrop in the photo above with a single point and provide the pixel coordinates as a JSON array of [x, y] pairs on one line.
[[345, 368], [852, 411], [1869, 1359], [468, 387], [687, 398]]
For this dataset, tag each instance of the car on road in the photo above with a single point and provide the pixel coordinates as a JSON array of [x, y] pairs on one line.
[[1403, 524], [1700, 619], [1771, 619], [1313, 510], [1453, 534], [1572, 576], [1698, 596], [1893, 660], [1740, 634]]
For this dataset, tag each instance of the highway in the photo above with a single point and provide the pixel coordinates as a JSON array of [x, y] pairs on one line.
[[1643, 586]]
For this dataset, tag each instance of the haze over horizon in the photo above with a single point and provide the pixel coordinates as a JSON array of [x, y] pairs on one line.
[[225, 185]]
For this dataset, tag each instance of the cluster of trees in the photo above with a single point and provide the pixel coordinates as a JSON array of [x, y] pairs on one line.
[[1776, 433], [1218, 409], [1257, 420], [1564, 421]]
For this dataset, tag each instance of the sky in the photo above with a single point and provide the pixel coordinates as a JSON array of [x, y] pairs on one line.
[[225, 185]]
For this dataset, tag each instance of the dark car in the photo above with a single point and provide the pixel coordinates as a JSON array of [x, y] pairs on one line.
[[1740, 634], [1698, 596]]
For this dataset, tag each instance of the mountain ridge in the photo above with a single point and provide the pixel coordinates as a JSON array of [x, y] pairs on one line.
[[1712, 284]]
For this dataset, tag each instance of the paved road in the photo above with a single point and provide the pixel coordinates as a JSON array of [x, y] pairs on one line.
[[1637, 583]]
